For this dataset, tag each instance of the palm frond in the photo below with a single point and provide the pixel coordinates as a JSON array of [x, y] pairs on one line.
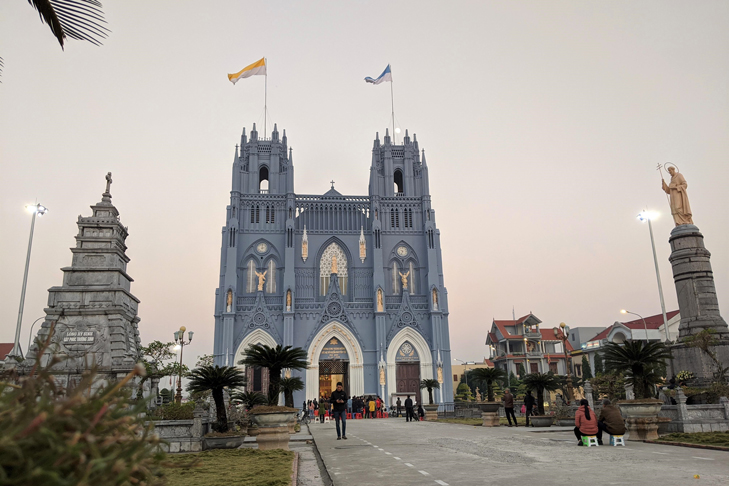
[[214, 378], [293, 384], [430, 384], [76, 19]]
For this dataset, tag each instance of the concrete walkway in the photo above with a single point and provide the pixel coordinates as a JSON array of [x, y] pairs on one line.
[[392, 452]]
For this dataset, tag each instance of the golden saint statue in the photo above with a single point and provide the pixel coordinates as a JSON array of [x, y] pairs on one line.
[[404, 278], [380, 304], [288, 299], [334, 264], [676, 190], [261, 279], [382, 376], [229, 301]]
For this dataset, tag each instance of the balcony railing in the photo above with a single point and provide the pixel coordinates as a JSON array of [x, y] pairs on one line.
[[533, 334], [534, 354]]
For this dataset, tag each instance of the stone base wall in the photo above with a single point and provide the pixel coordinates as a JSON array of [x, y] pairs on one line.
[[181, 435], [695, 418], [696, 361]]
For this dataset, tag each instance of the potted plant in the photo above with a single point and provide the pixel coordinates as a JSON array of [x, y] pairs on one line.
[[431, 410], [490, 409], [641, 363], [274, 422], [539, 382]]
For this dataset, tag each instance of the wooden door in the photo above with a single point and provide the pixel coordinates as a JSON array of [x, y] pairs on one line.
[[407, 377]]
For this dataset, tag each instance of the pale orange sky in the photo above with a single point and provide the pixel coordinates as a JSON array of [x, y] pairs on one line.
[[542, 123]]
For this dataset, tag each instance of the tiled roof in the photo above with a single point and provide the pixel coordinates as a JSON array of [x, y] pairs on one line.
[[652, 322], [5, 348], [547, 334]]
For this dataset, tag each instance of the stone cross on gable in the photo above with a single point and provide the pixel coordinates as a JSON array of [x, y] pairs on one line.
[[332, 182], [108, 182]]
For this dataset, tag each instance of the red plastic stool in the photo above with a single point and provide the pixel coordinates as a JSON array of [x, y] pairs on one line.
[[349, 416], [422, 419], [316, 413], [357, 416], [386, 415]]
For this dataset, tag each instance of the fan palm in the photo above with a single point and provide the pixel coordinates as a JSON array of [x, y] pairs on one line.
[[276, 360], [249, 399], [288, 386], [487, 376], [215, 378], [431, 385], [640, 362], [540, 382]]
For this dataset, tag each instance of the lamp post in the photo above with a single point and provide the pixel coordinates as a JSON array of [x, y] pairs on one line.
[[40, 210], [30, 337], [561, 333], [465, 370], [647, 216], [645, 326], [526, 357], [180, 340]]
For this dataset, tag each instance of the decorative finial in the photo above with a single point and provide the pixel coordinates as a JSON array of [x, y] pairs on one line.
[[106, 197]]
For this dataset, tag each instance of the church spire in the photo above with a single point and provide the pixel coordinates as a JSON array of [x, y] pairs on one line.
[[243, 138]]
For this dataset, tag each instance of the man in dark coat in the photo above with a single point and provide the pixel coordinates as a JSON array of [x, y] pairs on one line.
[[610, 420], [509, 407], [529, 402], [409, 415], [339, 406]]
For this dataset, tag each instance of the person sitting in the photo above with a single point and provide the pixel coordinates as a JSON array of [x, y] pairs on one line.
[[421, 412], [585, 422], [610, 420]]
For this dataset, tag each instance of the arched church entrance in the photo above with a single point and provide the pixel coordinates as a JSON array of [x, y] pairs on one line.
[[333, 367], [407, 370]]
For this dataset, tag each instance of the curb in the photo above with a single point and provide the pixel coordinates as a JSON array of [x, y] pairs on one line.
[[295, 470], [688, 444]]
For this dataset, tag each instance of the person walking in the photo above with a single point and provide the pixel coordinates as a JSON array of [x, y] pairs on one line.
[[409, 415], [585, 422], [311, 410], [529, 402], [322, 410], [398, 404], [610, 421], [509, 407], [339, 410]]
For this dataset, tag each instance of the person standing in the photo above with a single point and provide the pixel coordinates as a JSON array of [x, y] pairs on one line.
[[529, 402], [373, 404], [585, 422], [398, 404], [339, 409], [610, 420], [349, 405], [421, 412], [322, 410], [509, 407], [409, 415]]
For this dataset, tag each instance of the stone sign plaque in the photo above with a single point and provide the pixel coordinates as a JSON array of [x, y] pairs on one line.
[[334, 350]]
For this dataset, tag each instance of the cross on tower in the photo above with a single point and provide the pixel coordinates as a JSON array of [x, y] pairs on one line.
[[332, 181]]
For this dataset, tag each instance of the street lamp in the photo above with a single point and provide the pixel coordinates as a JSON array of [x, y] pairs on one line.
[[526, 357], [180, 340], [465, 370], [30, 337], [648, 216], [645, 326], [561, 333], [40, 210]]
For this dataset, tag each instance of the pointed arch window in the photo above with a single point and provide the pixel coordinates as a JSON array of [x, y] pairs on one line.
[[395, 279], [325, 268], [251, 277], [271, 277], [412, 287]]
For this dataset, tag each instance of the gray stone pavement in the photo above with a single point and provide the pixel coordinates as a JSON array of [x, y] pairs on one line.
[[392, 452]]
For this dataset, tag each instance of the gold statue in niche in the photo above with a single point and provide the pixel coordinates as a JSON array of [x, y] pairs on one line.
[[229, 301], [288, 300], [382, 376], [261, 279], [404, 278], [440, 374], [335, 269], [380, 304], [435, 299]]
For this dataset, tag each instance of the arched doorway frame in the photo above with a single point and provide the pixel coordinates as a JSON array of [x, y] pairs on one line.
[[356, 369], [423, 350], [259, 336]]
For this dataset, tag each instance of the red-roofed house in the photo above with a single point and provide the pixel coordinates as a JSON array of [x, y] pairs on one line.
[[635, 330], [5, 349], [521, 341]]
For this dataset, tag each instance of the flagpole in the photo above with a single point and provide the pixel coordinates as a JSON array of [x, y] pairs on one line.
[[392, 102], [265, 98]]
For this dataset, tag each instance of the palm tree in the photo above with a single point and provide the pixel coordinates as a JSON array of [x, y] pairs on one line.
[[249, 399], [288, 387], [215, 378], [276, 360], [540, 382], [640, 361], [487, 376], [77, 19], [430, 384]]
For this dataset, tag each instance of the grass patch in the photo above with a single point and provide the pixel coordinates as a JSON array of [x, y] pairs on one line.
[[236, 467], [720, 439], [462, 421]]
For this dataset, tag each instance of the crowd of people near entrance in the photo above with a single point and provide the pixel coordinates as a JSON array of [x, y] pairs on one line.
[[368, 407]]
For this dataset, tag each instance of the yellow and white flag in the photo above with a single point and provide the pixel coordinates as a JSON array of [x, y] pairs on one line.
[[258, 67]]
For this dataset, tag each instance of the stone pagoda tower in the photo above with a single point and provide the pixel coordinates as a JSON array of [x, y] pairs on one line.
[[94, 311]]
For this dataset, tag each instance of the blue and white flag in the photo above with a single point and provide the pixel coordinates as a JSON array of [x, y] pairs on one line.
[[385, 76]]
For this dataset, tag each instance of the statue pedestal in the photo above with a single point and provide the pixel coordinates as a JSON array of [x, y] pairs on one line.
[[694, 280]]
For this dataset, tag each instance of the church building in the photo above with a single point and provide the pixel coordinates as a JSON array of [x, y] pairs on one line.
[[356, 281]]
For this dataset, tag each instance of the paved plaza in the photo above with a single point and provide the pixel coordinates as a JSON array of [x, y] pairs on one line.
[[393, 452]]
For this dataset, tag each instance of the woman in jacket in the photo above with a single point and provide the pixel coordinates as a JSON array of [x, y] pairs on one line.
[[585, 422]]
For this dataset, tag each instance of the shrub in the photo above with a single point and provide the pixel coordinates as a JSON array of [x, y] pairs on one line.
[[82, 436], [173, 411]]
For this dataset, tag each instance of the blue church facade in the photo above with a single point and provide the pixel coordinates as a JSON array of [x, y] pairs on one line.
[[356, 281]]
